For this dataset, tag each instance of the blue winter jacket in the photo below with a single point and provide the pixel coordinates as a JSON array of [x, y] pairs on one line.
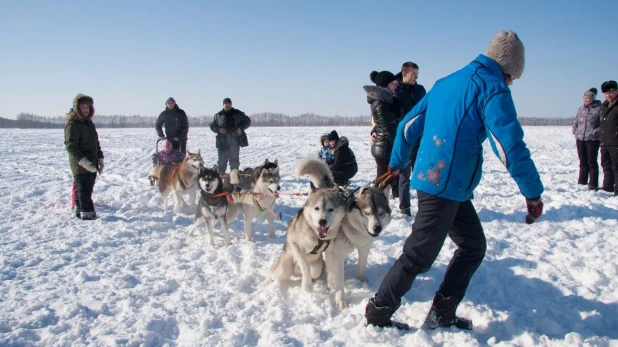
[[454, 119]]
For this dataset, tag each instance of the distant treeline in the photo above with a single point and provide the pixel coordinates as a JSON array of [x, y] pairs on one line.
[[266, 119]]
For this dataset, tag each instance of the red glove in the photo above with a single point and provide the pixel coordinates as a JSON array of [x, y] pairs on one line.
[[535, 209], [394, 172]]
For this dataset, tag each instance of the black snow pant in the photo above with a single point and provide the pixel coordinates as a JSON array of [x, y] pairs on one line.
[[436, 218], [404, 183], [588, 153], [82, 197], [609, 162], [228, 148]]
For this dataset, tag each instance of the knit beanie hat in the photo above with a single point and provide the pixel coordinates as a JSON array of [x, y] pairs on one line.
[[591, 93], [608, 86], [170, 99], [333, 136], [382, 78], [508, 51], [227, 100]]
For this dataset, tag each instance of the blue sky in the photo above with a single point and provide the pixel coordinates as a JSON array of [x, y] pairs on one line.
[[290, 57]]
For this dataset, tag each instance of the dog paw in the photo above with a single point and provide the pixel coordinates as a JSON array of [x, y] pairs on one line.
[[342, 304], [308, 287], [265, 282]]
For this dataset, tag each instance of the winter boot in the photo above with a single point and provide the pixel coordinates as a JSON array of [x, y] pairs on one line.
[[89, 215], [442, 314], [381, 316], [76, 212]]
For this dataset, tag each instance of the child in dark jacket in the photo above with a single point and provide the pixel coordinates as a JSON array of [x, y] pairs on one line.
[[324, 153]]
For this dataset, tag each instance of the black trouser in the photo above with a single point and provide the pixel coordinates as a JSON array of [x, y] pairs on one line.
[[588, 152], [84, 184], [436, 218], [180, 146], [228, 150], [609, 162], [404, 182]]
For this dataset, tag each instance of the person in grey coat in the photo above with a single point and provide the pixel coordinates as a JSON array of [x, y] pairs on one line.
[[587, 131]]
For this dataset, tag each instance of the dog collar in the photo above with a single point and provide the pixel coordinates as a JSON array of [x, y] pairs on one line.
[[320, 243]]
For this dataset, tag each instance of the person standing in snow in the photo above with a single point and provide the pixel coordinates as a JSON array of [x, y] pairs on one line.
[[176, 125], [409, 93], [454, 119], [587, 130], [386, 114], [85, 155], [230, 124], [609, 137]]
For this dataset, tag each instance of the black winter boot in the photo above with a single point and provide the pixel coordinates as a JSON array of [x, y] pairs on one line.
[[442, 314], [381, 316]]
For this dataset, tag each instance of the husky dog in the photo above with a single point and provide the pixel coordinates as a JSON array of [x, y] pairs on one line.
[[256, 196], [213, 202], [249, 176], [179, 179], [312, 228], [368, 213]]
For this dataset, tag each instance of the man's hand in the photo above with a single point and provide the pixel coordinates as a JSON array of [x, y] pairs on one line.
[[372, 140], [535, 209], [222, 131], [238, 131], [394, 172]]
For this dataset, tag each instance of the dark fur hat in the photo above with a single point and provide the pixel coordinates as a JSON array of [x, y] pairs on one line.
[[608, 86]]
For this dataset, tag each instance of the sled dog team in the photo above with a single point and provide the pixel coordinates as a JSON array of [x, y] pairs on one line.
[[329, 226]]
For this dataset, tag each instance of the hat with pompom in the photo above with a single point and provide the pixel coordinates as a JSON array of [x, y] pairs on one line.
[[382, 78]]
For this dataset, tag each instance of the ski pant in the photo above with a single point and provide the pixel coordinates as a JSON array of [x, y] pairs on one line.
[[83, 184], [436, 218], [232, 155], [609, 162], [588, 152]]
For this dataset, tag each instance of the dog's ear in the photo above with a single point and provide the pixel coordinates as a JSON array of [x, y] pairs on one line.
[[266, 162], [387, 191], [313, 187], [276, 163], [215, 168], [365, 190]]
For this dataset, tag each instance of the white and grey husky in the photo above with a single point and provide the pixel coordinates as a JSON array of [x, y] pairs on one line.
[[366, 217], [312, 229], [255, 201]]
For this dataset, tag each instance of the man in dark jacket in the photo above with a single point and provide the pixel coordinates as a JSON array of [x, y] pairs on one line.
[[230, 125], [609, 137], [344, 166], [176, 125], [409, 93]]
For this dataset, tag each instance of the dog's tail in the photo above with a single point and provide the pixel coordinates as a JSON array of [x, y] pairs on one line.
[[317, 170], [234, 176]]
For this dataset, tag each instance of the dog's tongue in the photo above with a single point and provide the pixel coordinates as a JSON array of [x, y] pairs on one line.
[[322, 232]]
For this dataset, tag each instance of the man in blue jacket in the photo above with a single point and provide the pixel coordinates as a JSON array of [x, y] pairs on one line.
[[453, 120]]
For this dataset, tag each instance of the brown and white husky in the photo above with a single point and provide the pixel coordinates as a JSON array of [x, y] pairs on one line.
[[179, 179]]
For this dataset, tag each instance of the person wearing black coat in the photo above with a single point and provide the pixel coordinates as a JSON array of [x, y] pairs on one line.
[[409, 93], [344, 167], [176, 125], [609, 137], [386, 114], [230, 124]]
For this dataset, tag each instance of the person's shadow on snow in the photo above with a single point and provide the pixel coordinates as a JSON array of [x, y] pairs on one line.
[[561, 214], [531, 305]]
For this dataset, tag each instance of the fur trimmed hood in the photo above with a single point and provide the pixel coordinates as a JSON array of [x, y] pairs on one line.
[[75, 114], [378, 93]]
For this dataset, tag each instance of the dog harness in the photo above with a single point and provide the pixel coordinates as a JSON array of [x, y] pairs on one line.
[[320, 243]]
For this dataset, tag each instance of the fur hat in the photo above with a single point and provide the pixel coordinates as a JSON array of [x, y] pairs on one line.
[[382, 78], [591, 93], [508, 51], [227, 100], [333, 136], [608, 86], [323, 138]]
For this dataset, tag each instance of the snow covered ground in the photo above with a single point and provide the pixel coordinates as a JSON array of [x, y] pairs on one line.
[[133, 277]]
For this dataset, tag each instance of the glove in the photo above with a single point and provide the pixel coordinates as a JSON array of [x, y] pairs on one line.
[[101, 166], [86, 164], [535, 209], [394, 172]]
